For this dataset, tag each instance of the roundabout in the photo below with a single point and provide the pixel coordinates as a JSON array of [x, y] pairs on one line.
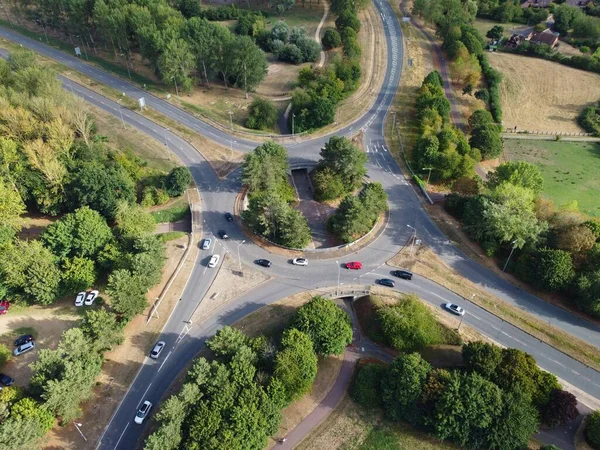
[[184, 338]]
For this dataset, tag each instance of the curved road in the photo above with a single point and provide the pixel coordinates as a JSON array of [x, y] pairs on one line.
[[185, 339]]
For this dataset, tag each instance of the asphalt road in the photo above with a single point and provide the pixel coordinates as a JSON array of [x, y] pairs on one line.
[[184, 340]]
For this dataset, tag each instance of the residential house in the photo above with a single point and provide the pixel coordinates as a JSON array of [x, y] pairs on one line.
[[544, 37]]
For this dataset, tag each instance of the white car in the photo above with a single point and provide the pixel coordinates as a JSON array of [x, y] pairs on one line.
[[214, 260], [143, 412], [206, 243], [455, 309], [24, 348], [89, 299], [158, 348], [79, 299], [300, 262]]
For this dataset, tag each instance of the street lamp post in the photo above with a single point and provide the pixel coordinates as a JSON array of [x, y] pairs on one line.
[[338, 283], [293, 116], [231, 119], [510, 254], [165, 136], [78, 425], [428, 176], [414, 238], [460, 323], [176, 88], [238, 251]]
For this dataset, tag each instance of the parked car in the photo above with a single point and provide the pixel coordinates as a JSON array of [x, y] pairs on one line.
[[263, 262], [23, 339], [386, 282], [143, 412], [300, 262], [157, 350], [223, 235], [24, 348], [354, 265], [80, 299], [206, 243], [214, 260], [229, 217], [405, 274], [6, 380], [4, 305], [91, 296], [455, 309]]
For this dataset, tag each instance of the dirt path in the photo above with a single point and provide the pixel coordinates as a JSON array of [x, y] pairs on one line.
[[318, 33]]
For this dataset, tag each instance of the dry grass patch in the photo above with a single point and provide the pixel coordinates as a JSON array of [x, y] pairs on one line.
[[539, 95], [427, 264]]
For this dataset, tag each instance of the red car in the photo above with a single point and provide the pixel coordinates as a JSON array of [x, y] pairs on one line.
[[355, 265], [4, 305]]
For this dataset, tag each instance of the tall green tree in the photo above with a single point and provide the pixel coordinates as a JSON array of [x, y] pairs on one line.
[[344, 159], [102, 329], [518, 173], [249, 63]]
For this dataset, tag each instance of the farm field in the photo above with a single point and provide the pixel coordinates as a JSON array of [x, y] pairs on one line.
[[539, 95], [570, 170]]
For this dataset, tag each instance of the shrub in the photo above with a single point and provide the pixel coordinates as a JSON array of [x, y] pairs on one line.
[[331, 39], [592, 430], [177, 181], [262, 114], [5, 354], [366, 389], [348, 19]]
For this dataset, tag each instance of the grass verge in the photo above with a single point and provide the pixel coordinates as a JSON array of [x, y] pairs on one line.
[[171, 235], [173, 214], [427, 264]]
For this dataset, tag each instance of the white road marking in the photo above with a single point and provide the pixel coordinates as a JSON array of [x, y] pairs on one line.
[[515, 339], [121, 437], [163, 363], [144, 395]]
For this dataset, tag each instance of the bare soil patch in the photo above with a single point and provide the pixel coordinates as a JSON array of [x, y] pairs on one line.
[[427, 264], [539, 95]]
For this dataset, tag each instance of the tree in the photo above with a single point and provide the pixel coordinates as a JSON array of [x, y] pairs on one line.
[[564, 17], [127, 293], [487, 139], [592, 430], [81, 233], [133, 221], [11, 206], [331, 39], [327, 325], [496, 32], [348, 19], [575, 239], [366, 389], [519, 173], [561, 409], [517, 369], [480, 118], [78, 274], [516, 422], [328, 185], [262, 114], [175, 64], [482, 357], [29, 271], [177, 181], [434, 78], [102, 329], [28, 409], [587, 288], [265, 169], [296, 364], [553, 270], [281, 6], [343, 158], [249, 63], [227, 341], [5, 354], [402, 386], [350, 220]]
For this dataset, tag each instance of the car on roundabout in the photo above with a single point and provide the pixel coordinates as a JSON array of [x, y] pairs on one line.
[[454, 309], [404, 274], [263, 262], [386, 282], [354, 265], [229, 217], [300, 262]]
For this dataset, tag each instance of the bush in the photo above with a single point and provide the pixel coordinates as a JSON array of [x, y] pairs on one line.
[[177, 181], [455, 204], [589, 119], [348, 19], [331, 39], [262, 114], [5, 354], [366, 389], [592, 430]]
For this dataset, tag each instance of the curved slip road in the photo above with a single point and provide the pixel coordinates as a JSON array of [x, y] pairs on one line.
[[184, 339]]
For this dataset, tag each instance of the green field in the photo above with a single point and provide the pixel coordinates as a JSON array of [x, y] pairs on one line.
[[571, 170]]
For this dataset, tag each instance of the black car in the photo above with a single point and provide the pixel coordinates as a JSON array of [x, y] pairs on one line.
[[6, 380], [263, 262], [387, 282], [229, 217], [23, 340], [222, 234], [405, 274]]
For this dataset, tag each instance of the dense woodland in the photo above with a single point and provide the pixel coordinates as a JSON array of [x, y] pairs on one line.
[[233, 399], [53, 162]]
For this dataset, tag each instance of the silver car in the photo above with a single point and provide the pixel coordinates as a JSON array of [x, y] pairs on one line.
[[24, 348], [143, 412], [206, 243], [157, 350]]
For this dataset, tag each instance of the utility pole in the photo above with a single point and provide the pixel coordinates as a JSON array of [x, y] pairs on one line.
[[428, 176], [293, 116], [77, 425], [460, 323], [508, 259]]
